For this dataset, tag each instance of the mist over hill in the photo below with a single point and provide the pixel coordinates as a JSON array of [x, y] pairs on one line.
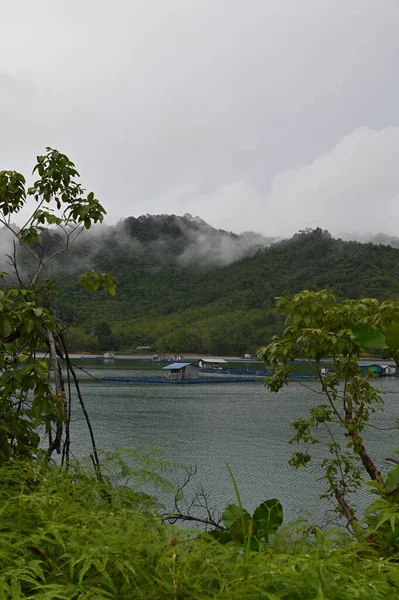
[[185, 240], [373, 238]]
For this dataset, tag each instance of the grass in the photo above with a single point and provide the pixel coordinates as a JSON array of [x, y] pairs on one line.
[[65, 536]]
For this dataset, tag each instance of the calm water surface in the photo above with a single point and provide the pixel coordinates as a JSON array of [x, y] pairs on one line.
[[209, 425]]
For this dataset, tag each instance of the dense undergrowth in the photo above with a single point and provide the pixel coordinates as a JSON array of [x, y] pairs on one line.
[[64, 535]]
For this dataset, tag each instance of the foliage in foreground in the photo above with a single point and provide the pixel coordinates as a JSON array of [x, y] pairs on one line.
[[28, 319], [320, 328], [64, 536]]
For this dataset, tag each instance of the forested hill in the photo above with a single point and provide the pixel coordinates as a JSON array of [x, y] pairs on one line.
[[174, 295], [227, 309]]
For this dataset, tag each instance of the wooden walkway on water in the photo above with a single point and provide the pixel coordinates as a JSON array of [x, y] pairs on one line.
[[217, 379]]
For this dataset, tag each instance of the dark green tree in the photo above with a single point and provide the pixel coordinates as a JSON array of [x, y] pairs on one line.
[[102, 328]]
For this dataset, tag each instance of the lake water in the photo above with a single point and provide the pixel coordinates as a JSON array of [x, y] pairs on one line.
[[244, 425]]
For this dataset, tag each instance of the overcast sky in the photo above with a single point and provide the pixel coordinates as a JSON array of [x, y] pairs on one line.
[[265, 115]]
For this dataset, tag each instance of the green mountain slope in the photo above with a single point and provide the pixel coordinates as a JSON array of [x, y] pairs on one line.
[[229, 309], [185, 286]]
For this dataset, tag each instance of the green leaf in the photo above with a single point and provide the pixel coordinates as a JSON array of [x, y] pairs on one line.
[[369, 336], [231, 513], [29, 325], [111, 289], [223, 537], [240, 527], [269, 517], [5, 327], [392, 335], [392, 480]]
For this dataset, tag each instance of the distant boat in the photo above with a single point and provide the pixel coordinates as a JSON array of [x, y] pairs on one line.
[[108, 356]]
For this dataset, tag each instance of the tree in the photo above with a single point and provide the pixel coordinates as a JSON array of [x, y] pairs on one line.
[[320, 328], [28, 321], [102, 328]]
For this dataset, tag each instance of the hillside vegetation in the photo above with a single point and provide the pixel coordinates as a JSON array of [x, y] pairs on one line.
[[184, 286]]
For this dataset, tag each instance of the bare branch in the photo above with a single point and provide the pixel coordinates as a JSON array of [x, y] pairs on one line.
[[94, 455], [200, 501], [32, 215]]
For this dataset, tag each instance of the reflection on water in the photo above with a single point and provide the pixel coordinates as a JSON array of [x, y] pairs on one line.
[[207, 426]]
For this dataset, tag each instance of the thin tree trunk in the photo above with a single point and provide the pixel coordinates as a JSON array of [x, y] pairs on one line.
[[67, 444], [348, 512], [367, 461], [55, 445]]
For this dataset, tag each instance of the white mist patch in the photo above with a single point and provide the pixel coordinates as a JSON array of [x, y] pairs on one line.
[[215, 248]]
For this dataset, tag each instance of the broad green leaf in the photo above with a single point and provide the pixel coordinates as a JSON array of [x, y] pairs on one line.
[[392, 335], [230, 514], [369, 336], [236, 528], [253, 543], [268, 516]]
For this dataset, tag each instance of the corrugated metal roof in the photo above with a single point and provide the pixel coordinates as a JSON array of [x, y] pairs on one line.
[[176, 365]]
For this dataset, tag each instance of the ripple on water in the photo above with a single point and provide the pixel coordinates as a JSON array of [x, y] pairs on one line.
[[207, 426]]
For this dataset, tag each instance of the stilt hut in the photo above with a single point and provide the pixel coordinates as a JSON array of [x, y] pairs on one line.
[[180, 370]]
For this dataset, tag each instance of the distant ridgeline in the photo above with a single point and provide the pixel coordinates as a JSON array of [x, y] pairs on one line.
[[187, 287]]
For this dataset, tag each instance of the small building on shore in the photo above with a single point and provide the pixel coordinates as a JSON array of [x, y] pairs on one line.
[[377, 370], [180, 370], [212, 363]]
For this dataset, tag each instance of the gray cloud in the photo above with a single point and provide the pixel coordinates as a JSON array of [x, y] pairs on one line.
[[268, 115], [352, 187]]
